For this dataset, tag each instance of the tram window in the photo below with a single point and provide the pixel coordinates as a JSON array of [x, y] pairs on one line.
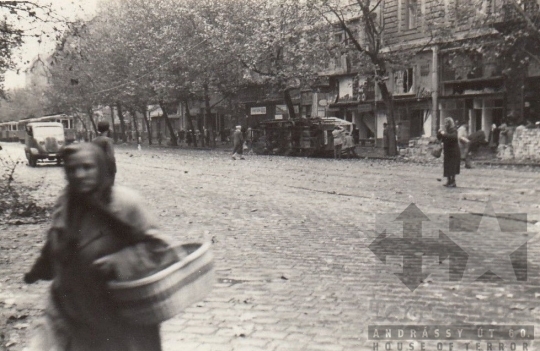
[[65, 123]]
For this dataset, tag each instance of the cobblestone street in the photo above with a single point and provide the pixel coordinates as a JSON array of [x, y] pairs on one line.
[[291, 237]]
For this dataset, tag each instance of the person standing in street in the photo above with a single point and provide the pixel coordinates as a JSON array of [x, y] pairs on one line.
[[464, 144], [249, 140], [238, 143], [99, 233], [338, 141], [182, 136], [452, 157], [189, 137], [348, 145], [386, 141], [206, 135], [494, 137], [106, 144]]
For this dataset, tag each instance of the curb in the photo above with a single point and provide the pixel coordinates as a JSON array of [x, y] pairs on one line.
[[360, 157]]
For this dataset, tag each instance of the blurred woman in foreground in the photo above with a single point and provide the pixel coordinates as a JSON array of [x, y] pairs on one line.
[[98, 233]]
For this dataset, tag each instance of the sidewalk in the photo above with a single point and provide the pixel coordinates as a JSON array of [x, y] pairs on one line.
[[482, 157]]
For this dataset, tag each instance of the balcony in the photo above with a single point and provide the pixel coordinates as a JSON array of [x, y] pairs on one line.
[[470, 72], [510, 17]]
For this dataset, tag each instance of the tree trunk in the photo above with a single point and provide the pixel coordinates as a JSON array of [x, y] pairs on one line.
[[190, 122], [135, 125], [208, 113], [122, 123], [389, 102], [115, 137], [82, 121], [91, 117], [288, 101], [168, 123], [147, 122]]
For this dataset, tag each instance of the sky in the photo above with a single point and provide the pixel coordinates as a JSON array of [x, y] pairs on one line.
[[71, 9]]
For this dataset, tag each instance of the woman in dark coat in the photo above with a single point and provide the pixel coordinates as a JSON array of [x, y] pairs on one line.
[[452, 156], [97, 230]]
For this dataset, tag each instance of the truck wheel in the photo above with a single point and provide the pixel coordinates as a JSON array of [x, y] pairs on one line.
[[58, 161], [32, 161]]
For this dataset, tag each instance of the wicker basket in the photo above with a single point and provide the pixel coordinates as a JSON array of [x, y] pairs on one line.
[[161, 296]]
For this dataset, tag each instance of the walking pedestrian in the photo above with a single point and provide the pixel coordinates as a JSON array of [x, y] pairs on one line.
[[249, 140], [464, 143], [349, 146], [338, 141], [189, 137], [238, 143], [181, 136], [386, 141], [107, 145], [451, 162], [97, 230], [206, 135], [494, 137], [198, 138], [159, 137]]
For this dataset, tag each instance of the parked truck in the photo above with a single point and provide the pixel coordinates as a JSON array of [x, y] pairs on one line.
[[44, 141]]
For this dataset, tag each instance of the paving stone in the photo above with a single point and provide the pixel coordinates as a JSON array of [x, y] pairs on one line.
[[272, 335], [298, 272]]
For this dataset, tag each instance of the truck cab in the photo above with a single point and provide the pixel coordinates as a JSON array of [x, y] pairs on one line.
[[44, 141]]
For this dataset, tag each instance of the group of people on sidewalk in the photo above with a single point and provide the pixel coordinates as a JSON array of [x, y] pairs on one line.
[[343, 143]]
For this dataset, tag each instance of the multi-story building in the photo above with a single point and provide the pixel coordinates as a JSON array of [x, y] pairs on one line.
[[438, 69], [433, 80], [442, 73]]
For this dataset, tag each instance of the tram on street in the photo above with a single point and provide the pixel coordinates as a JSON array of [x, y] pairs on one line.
[[16, 130], [9, 131]]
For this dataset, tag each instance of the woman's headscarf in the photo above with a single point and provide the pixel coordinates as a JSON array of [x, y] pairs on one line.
[[101, 195], [449, 124]]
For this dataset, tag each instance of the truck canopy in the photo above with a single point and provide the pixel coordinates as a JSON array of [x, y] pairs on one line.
[[46, 129]]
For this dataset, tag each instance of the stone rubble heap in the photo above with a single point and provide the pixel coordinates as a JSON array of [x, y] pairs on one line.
[[525, 145]]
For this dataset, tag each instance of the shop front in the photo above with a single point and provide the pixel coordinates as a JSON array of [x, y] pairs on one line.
[[413, 118], [479, 112]]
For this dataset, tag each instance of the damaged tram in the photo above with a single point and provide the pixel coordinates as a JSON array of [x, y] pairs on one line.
[[298, 137]]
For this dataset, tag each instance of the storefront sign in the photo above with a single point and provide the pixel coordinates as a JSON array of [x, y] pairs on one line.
[[279, 116], [258, 110]]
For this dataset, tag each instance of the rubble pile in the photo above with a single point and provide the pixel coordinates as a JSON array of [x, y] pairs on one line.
[[525, 145], [419, 150]]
